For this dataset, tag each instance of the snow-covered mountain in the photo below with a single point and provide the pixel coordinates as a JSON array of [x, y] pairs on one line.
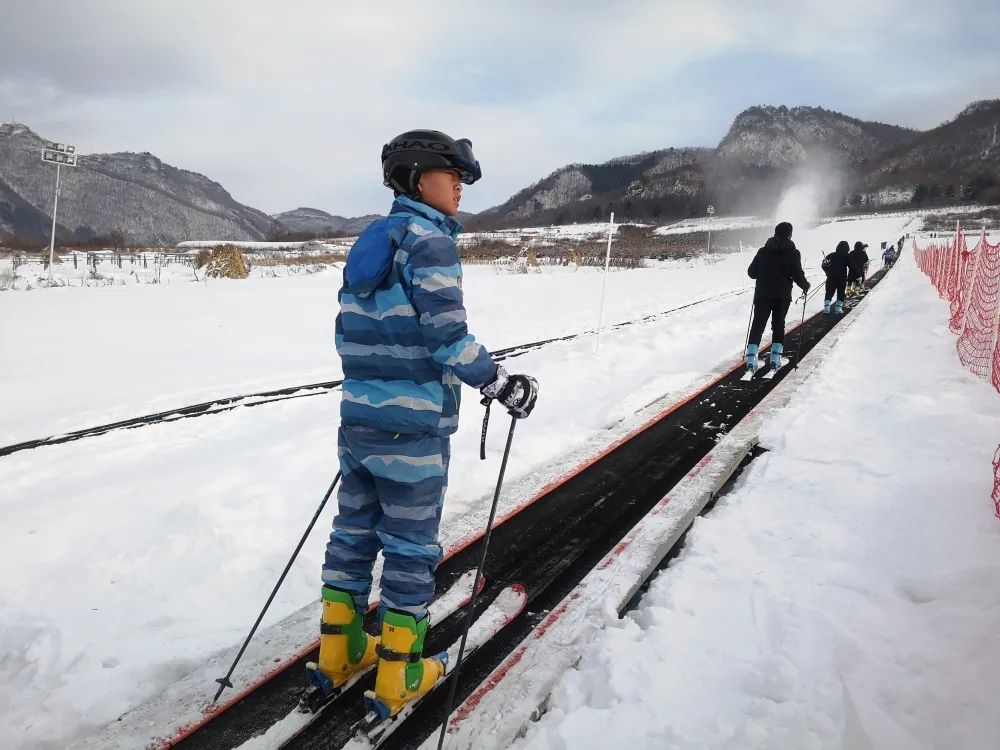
[[783, 137], [959, 158], [144, 198], [651, 184], [765, 150]]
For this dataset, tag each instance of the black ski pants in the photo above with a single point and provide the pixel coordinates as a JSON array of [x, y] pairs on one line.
[[840, 287], [776, 309]]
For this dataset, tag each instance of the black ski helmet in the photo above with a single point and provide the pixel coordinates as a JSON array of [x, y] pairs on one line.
[[409, 154]]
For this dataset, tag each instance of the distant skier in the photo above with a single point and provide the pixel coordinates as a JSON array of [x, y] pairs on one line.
[[889, 256], [774, 268], [858, 268], [836, 265], [402, 337]]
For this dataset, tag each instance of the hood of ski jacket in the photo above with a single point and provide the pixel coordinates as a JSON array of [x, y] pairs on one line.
[[775, 267], [401, 332]]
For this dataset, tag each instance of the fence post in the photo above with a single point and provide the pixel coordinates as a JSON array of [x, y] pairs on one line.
[[604, 284]]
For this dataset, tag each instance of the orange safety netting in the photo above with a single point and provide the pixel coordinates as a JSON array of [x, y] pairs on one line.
[[970, 281]]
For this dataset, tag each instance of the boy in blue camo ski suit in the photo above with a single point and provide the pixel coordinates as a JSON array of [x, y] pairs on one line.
[[406, 351]]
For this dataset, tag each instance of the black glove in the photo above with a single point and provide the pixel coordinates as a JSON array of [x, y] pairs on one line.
[[517, 392]]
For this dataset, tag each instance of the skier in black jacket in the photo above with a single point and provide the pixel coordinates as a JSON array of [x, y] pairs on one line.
[[837, 266], [774, 268], [859, 267]]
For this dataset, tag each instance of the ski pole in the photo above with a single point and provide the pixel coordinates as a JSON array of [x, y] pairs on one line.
[[224, 681], [475, 587], [749, 323], [802, 323]]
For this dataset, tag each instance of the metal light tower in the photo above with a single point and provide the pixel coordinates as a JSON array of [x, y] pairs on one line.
[[711, 213], [61, 155]]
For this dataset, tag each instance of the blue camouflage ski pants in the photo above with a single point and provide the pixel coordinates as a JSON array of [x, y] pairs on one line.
[[390, 498]]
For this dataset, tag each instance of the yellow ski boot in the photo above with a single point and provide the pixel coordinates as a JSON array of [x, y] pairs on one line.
[[403, 674], [345, 649]]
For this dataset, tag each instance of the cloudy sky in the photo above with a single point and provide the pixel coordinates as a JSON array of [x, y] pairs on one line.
[[288, 104]]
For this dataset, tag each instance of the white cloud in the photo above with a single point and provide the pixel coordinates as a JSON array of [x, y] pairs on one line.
[[244, 92]]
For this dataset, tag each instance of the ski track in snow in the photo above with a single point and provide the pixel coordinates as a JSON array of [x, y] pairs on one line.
[[152, 550]]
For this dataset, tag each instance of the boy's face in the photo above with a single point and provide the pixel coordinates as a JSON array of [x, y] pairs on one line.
[[441, 189]]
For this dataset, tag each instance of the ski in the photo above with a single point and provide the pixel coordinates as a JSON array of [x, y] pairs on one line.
[[748, 375], [318, 695], [375, 730], [772, 371]]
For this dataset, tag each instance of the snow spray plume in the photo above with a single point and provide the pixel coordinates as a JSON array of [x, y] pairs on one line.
[[816, 189]]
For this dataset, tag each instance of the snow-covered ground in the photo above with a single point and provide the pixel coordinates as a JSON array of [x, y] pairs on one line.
[[845, 594], [972, 208], [719, 223], [145, 268], [305, 246], [716, 225], [93, 356], [587, 231], [151, 549]]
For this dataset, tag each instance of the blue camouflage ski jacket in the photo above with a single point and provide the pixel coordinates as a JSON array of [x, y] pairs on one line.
[[401, 331]]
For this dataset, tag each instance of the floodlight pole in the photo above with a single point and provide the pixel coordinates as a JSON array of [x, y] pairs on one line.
[[711, 213], [55, 208], [58, 154]]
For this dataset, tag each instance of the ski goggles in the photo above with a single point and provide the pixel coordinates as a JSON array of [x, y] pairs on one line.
[[465, 161]]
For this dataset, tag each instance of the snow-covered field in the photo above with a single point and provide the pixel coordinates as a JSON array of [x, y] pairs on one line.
[[845, 594], [147, 268], [94, 356], [588, 231], [717, 225], [140, 553], [305, 246]]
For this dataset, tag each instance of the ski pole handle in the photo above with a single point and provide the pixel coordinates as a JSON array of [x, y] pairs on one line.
[[487, 402]]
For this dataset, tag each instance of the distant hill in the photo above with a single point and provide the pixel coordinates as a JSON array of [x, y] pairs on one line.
[[864, 164], [765, 149], [320, 223], [138, 195], [317, 223], [959, 159]]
